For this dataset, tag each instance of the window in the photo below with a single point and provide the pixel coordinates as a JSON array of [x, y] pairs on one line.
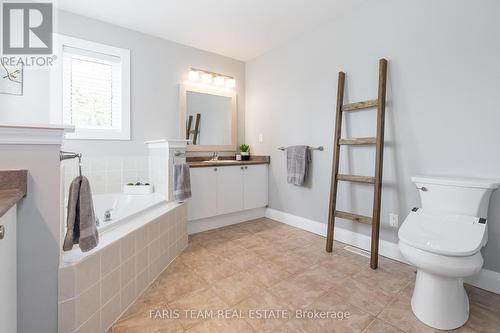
[[95, 85]]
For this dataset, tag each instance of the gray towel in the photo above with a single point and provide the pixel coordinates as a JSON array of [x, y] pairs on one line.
[[297, 164], [182, 182], [81, 221]]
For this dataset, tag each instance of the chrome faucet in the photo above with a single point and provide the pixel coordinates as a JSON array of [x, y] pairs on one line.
[[215, 156], [107, 215]]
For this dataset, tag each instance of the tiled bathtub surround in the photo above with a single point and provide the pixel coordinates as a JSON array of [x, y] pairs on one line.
[[108, 174], [94, 291]]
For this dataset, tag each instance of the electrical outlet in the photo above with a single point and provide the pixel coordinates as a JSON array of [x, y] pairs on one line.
[[261, 138], [393, 220]]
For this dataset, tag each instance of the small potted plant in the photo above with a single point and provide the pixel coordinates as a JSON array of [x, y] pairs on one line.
[[245, 152]]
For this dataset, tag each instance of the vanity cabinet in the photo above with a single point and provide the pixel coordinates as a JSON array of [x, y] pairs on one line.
[[203, 185], [227, 189], [255, 186]]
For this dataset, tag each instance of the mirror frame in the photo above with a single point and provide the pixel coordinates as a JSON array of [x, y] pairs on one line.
[[183, 89]]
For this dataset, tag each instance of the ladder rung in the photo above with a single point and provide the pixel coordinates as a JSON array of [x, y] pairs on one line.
[[360, 105], [358, 179], [358, 141], [353, 217]]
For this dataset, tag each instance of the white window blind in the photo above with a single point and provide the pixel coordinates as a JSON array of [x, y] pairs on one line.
[[92, 89]]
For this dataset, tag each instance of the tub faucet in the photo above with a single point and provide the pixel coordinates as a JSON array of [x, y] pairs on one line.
[[107, 215]]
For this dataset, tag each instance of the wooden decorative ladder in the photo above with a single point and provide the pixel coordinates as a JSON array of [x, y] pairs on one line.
[[378, 141]]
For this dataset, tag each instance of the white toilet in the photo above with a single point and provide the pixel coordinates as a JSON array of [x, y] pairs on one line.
[[443, 240]]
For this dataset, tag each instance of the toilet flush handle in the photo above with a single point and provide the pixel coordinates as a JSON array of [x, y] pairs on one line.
[[423, 188]]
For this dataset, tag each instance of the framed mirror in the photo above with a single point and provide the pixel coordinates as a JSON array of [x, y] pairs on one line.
[[208, 118]]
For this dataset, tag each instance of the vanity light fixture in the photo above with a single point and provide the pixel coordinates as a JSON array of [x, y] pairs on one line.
[[230, 83], [219, 80], [207, 77], [193, 75]]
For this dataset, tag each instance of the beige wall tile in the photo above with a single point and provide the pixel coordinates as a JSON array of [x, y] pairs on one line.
[[110, 312], [127, 246], [87, 273], [128, 294], [110, 257], [93, 325], [142, 260], [67, 282], [66, 316], [128, 271], [87, 303], [141, 238], [110, 285]]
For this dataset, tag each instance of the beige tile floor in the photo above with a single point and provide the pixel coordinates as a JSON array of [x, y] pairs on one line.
[[266, 265]]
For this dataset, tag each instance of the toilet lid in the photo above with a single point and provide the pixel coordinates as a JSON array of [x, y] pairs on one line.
[[443, 233]]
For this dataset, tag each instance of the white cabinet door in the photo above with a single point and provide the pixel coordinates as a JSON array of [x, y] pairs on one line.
[[204, 189], [229, 189], [8, 273], [255, 186]]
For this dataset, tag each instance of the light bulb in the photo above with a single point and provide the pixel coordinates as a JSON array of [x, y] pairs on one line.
[[230, 83], [193, 75], [206, 78], [219, 80]]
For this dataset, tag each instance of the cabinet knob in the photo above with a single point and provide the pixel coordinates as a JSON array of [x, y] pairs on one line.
[[241, 168], [215, 169], [246, 167]]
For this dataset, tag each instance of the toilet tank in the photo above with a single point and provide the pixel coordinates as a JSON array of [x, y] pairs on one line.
[[466, 196]]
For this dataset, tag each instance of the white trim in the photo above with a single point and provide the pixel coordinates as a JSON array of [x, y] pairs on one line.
[[56, 85], [17, 134], [170, 143], [68, 128], [485, 279], [219, 221], [386, 249]]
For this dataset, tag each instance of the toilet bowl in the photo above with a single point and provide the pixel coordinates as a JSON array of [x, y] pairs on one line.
[[443, 240]]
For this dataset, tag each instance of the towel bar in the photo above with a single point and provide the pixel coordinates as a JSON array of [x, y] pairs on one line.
[[320, 148]]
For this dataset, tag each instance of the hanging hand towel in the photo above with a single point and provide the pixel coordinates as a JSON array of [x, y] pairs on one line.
[[297, 164], [81, 221], [182, 182]]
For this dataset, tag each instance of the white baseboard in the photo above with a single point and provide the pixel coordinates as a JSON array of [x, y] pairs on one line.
[[386, 249], [486, 279], [219, 221]]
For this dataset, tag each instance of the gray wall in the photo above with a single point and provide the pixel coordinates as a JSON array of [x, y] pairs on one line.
[[157, 68], [442, 114]]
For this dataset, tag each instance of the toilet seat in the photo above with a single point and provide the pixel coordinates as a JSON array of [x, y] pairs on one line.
[[443, 233]]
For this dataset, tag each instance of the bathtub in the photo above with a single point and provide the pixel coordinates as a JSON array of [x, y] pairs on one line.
[[122, 207], [144, 235]]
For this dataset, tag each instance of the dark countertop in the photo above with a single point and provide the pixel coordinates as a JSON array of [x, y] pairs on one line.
[[201, 162], [13, 185]]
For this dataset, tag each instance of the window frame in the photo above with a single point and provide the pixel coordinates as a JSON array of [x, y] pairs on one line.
[[57, 88]]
